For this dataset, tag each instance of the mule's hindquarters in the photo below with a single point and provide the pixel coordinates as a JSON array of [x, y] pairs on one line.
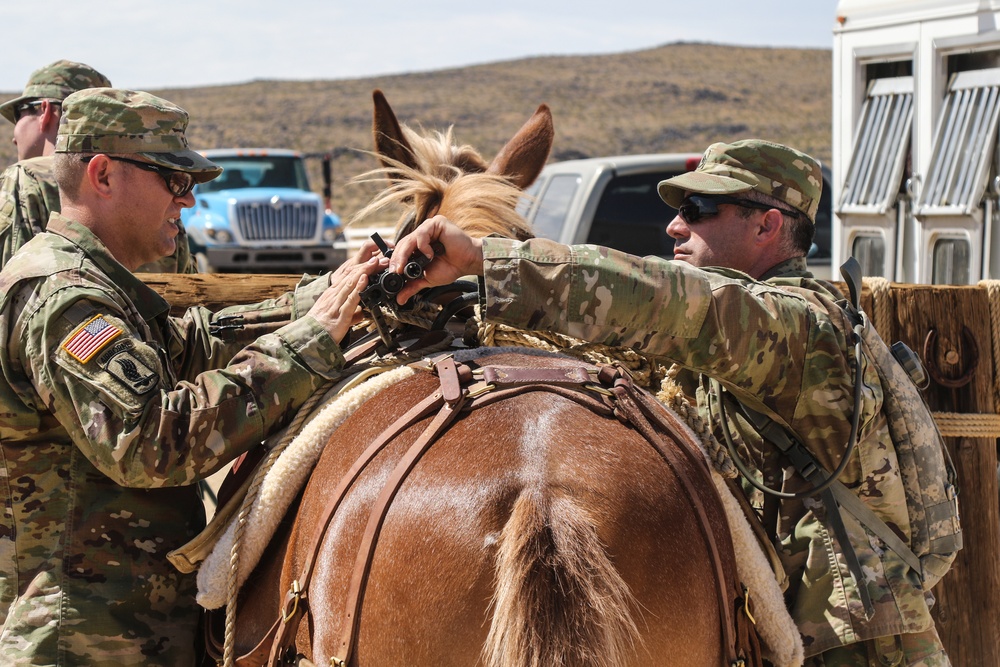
[[535, 532], [604, 565]]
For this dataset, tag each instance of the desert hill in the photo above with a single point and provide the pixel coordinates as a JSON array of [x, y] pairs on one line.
[[677, 97]]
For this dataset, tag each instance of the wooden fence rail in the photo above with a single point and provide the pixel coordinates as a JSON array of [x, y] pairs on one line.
[[953, 329]]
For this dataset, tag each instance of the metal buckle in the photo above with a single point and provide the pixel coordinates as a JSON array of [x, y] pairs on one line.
[[294, 593], [598, 389], [746, 605], [475, 391]]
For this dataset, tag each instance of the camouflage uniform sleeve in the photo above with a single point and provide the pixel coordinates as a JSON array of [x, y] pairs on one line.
[[26, 199], [8, 206], [752, 336], [223, 333], [112, 390], [591, 292]]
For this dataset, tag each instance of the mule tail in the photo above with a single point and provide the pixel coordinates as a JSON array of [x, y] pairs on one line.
[[559, 600]]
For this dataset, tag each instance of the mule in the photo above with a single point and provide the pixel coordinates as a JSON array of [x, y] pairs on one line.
[[567, 521]]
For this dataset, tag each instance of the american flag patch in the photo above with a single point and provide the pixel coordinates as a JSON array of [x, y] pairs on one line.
[[87, 341]]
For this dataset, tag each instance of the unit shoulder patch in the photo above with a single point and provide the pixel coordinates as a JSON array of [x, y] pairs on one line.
[[130, 370], [90, 338]]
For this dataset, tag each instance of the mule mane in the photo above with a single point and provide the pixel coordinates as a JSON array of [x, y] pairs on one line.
[[449, 180]]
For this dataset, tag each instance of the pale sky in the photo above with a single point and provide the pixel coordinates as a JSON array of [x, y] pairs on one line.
[[143, 45]]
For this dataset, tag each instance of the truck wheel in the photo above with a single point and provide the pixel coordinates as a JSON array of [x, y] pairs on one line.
[[201, 261]]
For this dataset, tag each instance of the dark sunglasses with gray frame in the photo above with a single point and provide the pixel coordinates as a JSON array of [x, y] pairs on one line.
[[700, 207]]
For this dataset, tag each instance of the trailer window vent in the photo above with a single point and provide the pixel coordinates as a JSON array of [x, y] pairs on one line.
[[880, 147], [869, 250], [963, 143], [952, 258]]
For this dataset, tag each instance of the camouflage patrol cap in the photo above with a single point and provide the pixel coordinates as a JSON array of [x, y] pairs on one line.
[[55, 82], [113, 121], [751, 164]]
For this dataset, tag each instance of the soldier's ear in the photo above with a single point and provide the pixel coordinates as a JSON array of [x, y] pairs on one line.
[[98, 175], [769, 226], [49, 117]]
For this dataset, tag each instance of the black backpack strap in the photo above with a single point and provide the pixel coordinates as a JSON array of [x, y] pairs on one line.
[[851, 272], [811, 470]]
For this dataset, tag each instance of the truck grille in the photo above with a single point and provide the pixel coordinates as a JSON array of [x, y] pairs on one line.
[[277, 221]]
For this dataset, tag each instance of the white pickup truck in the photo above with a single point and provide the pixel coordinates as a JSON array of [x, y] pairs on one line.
[[612, 201]]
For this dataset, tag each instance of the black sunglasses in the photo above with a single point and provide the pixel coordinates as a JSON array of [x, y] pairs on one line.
[[179, 183], [24, 107], [698, 207]]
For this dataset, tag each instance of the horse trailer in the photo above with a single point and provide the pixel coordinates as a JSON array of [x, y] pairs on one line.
[[916, 90]]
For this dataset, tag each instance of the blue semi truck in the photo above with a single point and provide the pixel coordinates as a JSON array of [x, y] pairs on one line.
[[260, 216]]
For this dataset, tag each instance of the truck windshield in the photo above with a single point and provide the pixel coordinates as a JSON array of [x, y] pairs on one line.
[[631, 216], [553, 206], [264, 171]]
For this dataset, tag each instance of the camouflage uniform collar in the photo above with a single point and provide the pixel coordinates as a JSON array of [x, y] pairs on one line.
[[38, 159], [790, 268], [149, 304]]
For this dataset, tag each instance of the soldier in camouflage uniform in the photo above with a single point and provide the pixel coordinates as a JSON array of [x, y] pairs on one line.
[[773, 337], [110, 410], [28, 190]]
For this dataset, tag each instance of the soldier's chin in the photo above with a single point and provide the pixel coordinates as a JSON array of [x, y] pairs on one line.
[[168, 251]]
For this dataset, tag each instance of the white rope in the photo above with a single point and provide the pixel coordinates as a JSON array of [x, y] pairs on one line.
[[229, 647]]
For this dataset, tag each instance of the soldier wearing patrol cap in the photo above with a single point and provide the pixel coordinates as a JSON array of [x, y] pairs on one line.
[[28, 192], [111, 410], [738, 306], [35, 114]]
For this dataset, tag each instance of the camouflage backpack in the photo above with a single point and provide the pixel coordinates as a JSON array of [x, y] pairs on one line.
[[924, 463], [926, 470]]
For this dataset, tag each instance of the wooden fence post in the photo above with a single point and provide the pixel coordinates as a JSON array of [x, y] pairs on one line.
[[217, 290], [967, 612]]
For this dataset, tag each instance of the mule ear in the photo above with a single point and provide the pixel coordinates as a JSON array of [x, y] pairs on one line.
[[389, 140], [522, 159]]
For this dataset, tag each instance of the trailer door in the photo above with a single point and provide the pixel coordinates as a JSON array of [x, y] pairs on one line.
[[951, 201], [872, 200]]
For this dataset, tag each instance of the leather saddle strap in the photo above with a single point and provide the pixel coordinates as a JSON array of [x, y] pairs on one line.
[[188, 557], [629, 405], [259, 654], [454, 398], [667, 420], [581, 396], [287, 623], [361, 351]]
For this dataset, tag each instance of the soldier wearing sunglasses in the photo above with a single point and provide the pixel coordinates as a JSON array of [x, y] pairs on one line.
[[28, 192], [111, 410], [738, 306]]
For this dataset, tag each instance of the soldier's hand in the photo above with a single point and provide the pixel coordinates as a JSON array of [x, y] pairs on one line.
[[463, 255], [367, 250], [338, 307]]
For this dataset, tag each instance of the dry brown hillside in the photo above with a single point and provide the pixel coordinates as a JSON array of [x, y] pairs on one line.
[[678, 97]]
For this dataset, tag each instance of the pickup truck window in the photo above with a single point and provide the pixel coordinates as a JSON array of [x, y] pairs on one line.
[[631, 216], [553, 205]]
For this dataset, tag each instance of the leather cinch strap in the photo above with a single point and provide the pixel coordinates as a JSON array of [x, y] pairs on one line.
[[641, 411], [447, 400]]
